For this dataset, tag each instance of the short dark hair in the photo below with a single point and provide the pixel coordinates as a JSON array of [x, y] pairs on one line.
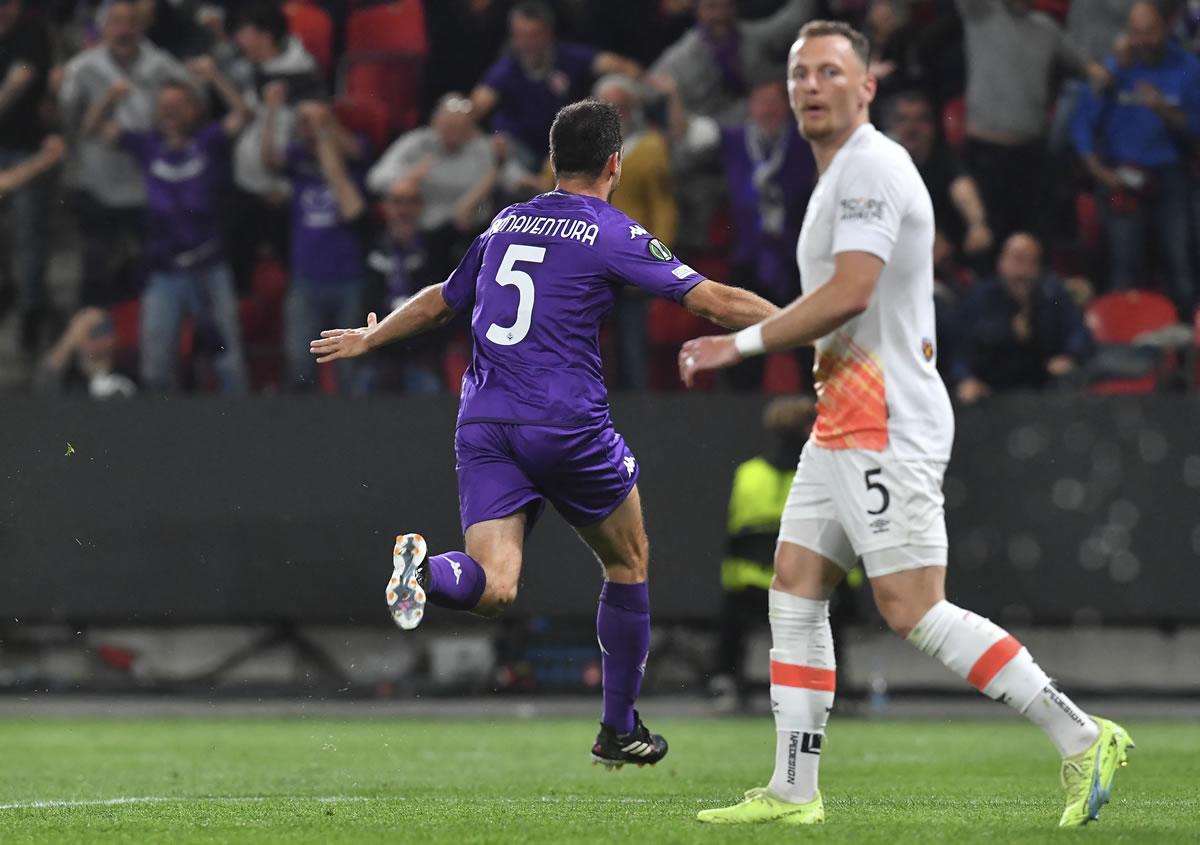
[[267, 16], [826, 29], [582, 138], [538, 10]]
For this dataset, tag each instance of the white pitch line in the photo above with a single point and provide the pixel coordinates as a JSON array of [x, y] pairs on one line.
[[183, 799]]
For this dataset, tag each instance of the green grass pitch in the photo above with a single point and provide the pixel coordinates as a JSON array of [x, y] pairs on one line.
[[462, 781]]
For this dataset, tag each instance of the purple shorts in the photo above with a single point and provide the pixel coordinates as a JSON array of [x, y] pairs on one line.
[[586, 473]]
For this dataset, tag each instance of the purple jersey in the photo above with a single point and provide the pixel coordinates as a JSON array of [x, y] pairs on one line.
[[540, 282], [183, 193], [527, 104], [325, 248]]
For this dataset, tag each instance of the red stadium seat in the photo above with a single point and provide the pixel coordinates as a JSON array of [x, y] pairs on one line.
[[397, 27], [1118, 318], [385, 53], [313, 26], [1195, 352]]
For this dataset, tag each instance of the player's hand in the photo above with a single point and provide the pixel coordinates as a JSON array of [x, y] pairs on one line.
[[343, 343], [706, 353]]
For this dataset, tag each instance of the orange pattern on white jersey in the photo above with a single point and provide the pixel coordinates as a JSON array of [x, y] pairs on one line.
[[851, 398], [876, 375]]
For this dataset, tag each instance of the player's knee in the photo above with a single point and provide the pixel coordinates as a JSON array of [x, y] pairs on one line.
[[901, 613]]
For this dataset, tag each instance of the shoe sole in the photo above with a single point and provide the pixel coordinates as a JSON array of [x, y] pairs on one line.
[[793, 818], [613, 765], [405, 596]]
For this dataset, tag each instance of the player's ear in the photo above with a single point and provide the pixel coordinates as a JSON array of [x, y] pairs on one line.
[[870, 86], [613, 165]]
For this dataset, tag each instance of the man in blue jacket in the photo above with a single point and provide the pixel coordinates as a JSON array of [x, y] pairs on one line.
[[1017, 330], [1135, 140]]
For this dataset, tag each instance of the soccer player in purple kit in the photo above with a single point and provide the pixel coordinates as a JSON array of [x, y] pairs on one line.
[[534, 422]]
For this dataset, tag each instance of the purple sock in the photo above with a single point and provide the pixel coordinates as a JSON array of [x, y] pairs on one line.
[[454, 580], [623, 629]]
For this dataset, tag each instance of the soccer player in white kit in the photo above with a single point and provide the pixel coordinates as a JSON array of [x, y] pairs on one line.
[[869, 483]]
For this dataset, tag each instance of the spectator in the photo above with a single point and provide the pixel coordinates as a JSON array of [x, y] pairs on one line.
[[173, 28], [327, 273], [1135, 141], [645, 195], [1012, 52], [1187, 28], [186, 167], [962, 226], [1019, 329], [1094, 27], [25, 58], [465, 38], [83, 360], [267, 53], [398, 267], [714, 63], [110, 193], [456, 169], [893, 42], [525, 89], [771, 173]]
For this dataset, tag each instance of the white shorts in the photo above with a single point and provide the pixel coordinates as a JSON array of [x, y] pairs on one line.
[[852, 503]]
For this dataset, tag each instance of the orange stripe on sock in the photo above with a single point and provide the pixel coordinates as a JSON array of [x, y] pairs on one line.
[[992, 661], [805, 677]]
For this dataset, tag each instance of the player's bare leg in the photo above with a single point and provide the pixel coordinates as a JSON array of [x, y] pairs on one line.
[[483, 579], [623, 631], [803, 673]]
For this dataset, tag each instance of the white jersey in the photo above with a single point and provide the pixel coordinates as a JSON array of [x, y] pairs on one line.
[[876, 376]]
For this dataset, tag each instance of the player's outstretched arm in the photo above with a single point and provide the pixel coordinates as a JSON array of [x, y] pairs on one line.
[[727, 306], [802, 323], [426, 310]]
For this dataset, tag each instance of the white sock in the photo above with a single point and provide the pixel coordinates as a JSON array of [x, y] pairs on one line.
[[997, 665], [802, 685]]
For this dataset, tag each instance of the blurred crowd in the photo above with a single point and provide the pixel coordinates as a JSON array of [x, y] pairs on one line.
[[234, 177]]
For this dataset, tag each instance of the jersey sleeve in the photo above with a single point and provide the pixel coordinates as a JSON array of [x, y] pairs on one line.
[[871, 200], [635, 257], [459, 289]]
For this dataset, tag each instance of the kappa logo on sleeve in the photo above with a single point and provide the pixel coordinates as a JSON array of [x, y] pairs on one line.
[[862, 209], [636, 231]]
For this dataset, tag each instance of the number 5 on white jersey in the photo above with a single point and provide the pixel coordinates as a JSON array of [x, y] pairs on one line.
[[506, 275]]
